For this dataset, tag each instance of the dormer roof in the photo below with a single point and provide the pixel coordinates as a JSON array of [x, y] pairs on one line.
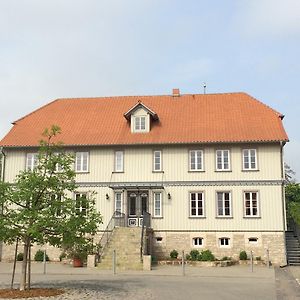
[[137, 106]]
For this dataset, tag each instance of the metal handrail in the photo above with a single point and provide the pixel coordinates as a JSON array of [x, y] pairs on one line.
[[117, 219], [146, 224]]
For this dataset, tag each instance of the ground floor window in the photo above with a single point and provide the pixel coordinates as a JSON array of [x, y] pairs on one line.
[[224, 242], [157, 204], [81, 203], [196, 204], [198, 242], [118, 202]]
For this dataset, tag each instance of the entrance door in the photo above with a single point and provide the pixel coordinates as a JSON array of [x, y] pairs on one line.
[[138, 202]]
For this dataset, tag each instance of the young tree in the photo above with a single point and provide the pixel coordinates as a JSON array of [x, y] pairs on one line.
[[39, 208]]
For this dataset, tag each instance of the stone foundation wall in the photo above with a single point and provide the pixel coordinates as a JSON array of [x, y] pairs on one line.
[[274, 242]]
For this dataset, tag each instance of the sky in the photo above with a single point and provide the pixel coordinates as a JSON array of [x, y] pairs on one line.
[[91, 48]]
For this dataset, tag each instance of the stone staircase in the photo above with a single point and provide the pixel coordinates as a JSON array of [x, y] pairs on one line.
[[292, 249], [127, 242]]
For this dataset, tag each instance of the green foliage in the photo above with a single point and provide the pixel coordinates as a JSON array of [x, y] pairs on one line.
[[206, 255], [292, 192], [243, 255], [188, 257], [194, 254], [39, 256], [20, 256], [62, 256], [39, 208], [174, 254], [226, 258], [294, 211]]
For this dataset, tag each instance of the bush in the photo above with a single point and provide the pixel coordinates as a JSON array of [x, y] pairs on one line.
[[62, 256], [206, 255], [188, 257], [39, 256], [243, 255], [174, 254], [20, 256], [194, 254], [226, 258]]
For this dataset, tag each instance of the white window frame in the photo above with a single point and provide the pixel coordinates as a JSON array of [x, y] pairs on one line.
[[223, 213], [119, 161], [79, 162], [224, 242], [157, 204], [251, 207], [119, 202], [157, 165], [195, 242], [249, 159], [220, 153], [138, 123], [198, 160], [80, 210], [32, 160], [197, 215], [254, 242]]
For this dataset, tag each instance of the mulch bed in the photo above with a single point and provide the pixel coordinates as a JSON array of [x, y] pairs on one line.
[[17, 294]]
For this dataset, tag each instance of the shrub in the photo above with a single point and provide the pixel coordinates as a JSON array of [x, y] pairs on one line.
[[194, 254], [206, 255], [39, 256], [225, 258], [174, 254], [62, 256], [243, 255], [20, 256], [188, 257]]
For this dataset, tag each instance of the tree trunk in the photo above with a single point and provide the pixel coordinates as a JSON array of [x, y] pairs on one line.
[[24, 265], [29, 266], [14, 267]]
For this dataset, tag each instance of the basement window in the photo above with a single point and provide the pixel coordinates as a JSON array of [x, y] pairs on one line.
[[224, 242], [253, 240], [197, 242], [159, 239]]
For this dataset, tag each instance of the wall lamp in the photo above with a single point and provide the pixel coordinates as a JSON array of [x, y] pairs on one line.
[[107, 196], [169, 196]]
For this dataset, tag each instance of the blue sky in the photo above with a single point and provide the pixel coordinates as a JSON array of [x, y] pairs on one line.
[[71, 48]]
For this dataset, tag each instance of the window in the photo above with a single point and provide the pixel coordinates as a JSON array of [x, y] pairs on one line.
[[157, 165], [58, 167], [157, 204], [57, 199], [197, 204], [251, 204], [253, 240], [197, 242], [81, 203], [224, 242], [140, 123], [119, 161], [196, 160], [118, 203], [31, 161], [82, 161], [159, 239], [249, 159], [223, 160], [223, 204]]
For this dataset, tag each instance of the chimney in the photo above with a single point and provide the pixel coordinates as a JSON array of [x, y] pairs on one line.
[[176, 93]]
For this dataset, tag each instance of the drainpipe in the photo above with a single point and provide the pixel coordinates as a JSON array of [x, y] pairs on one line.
[[283, 198], [2, 164]]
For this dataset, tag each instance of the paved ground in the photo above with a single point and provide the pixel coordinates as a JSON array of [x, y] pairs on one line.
[[165, 282]]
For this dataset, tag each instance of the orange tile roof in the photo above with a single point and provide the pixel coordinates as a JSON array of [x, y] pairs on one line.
[[232, 117]]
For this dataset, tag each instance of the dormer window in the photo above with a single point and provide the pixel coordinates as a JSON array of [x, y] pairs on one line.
[[141, 118], [139, 123]]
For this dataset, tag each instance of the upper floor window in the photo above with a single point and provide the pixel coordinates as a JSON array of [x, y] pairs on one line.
[[222, 160], [119, 161], [140, 123], [196, 160], [157, 165], [31, 161], [118, 202], [223, 204], [251, 204], [157, 204], [81, 203], [249, 159], [197, 204], [82, 162]]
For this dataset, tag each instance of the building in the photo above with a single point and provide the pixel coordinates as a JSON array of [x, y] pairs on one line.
[[208, 168]]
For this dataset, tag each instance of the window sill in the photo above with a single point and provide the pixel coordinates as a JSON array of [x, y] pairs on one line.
[[252, 217], [158, 171], [197, 217], [196, 171], [224, 217], [157, 217], [82, 172], [250, 170], [118, 172], [224, 171]]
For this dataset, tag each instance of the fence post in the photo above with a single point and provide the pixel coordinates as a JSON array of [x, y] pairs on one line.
[[114, 262], [268, 258], [44, 261], [183, 263], [251, 257]]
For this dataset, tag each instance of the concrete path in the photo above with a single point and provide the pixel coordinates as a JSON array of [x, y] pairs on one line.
[[164, 282]]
